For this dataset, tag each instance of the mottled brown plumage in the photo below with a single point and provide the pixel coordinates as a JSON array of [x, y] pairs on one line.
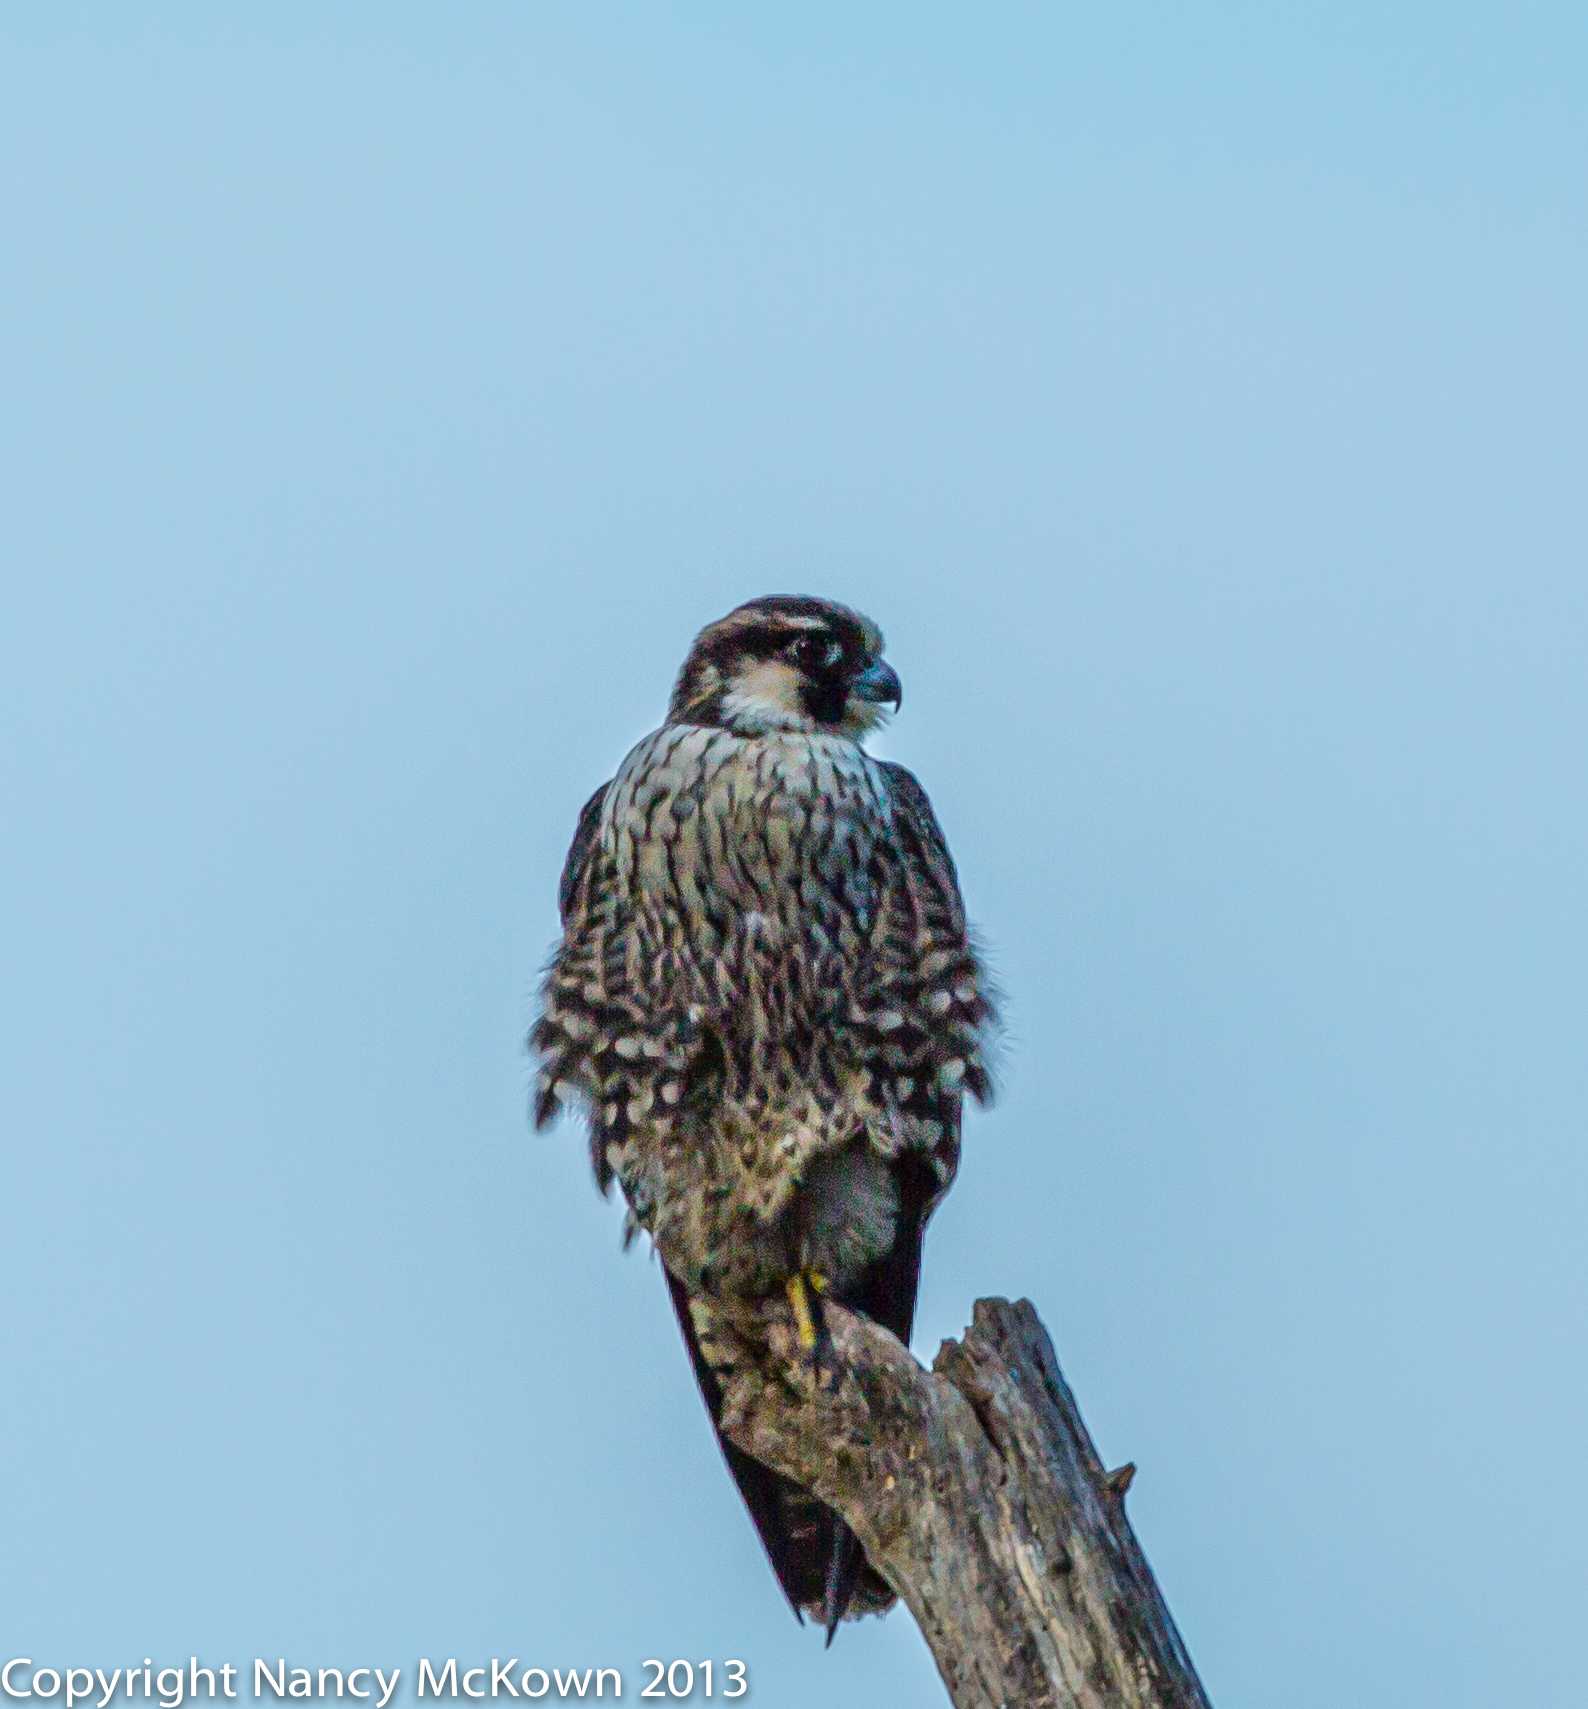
[[768, 1004]]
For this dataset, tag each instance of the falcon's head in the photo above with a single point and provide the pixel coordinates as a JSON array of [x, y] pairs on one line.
[[787, 664]]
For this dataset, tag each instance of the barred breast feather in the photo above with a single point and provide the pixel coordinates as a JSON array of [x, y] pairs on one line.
[[765, 994]]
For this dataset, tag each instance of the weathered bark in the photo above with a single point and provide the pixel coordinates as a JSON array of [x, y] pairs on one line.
[[976, 1491]]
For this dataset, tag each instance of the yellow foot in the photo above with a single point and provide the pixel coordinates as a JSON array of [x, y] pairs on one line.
[[800, 1286]]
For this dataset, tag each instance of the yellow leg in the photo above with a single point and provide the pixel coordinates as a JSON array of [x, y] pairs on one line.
[[800, 1300]]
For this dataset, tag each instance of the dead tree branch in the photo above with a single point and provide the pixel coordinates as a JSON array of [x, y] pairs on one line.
[[976, 1491]]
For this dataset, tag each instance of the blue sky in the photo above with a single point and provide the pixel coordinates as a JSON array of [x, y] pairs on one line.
[[1195, 396]]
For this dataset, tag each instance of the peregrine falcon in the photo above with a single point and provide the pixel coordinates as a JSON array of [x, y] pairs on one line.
[[767, 1001]]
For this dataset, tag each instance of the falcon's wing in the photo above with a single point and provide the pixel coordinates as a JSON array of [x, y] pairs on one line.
[[927, 971], [929, 981], [910, 800], [559, 1038], [578, 861]]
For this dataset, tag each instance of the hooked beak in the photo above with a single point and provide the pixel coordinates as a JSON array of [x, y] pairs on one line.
[[879, 683]]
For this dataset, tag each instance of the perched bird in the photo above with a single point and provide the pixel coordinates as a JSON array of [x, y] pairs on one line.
[[767, 1002]]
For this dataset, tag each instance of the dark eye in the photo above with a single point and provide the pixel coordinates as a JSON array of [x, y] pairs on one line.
[[814, 652]]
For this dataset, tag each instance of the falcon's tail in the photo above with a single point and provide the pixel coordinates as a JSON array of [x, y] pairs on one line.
[[817, 1558]]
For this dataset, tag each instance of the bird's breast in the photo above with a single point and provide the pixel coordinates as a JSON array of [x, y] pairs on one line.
[[783, 829]]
